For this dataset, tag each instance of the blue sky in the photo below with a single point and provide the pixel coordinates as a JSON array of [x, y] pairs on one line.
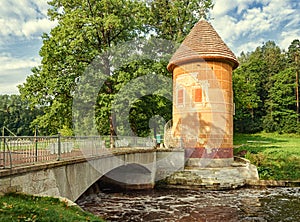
[[242, 24]]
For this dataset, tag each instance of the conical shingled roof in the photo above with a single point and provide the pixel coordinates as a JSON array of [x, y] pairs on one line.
[[203, 42]]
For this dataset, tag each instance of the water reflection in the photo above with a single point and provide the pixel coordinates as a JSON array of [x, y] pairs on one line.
[[272, 204]]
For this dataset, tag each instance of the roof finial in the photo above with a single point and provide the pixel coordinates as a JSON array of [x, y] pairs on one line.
[[202, 13]]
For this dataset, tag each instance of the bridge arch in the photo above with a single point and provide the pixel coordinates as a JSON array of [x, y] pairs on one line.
[[125, 177], [135, 170]]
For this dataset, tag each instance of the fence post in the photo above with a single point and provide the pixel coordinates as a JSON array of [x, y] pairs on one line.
[[36, 144], [4, 156], [59, 147], [3, 140]]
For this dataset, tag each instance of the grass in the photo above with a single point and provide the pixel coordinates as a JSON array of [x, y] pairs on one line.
[[277, 156], [22, 207]]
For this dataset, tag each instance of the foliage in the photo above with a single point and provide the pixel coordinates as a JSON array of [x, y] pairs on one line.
[[173, 19], [264, 91], [87, 29], [266, 85], [21, 207], [17, 116], [277, 157], [281, 102], [65, 131], [145, 103]]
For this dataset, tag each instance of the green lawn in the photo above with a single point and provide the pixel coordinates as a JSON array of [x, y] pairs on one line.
[[21, 207], [277, 156]]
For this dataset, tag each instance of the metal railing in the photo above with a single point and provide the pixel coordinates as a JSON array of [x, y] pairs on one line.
[[26, 150]]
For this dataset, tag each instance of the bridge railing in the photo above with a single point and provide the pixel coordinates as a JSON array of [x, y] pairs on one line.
[[26, 150], [132, 142]]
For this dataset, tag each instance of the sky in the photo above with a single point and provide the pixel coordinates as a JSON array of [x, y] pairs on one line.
[[242, 24]]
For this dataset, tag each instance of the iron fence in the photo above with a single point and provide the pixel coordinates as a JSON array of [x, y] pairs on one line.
[[24, 150]]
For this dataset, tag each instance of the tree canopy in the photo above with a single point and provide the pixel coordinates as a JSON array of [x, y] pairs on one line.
[[265, 87], [16, 116], [89, 28]]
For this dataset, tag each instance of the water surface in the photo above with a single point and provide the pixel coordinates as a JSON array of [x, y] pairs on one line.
[[269, 204]]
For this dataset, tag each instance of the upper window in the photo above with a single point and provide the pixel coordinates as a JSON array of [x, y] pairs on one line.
[[180, 97], [197, 95]]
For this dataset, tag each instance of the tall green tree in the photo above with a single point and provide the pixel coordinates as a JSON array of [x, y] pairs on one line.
[[16, 116], [275, 62], [265, 87], [86, 28], [248, 91], [294, 58], [253, 81], [173, 19], [281, 103], [149, 94]]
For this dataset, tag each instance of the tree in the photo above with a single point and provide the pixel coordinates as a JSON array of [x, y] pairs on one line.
[[282, 103], [16, 116], [173, 19], [85, 29], [252, 83], [148, 97], [265, 87], [294, 56], [247, 87], [246, 102]]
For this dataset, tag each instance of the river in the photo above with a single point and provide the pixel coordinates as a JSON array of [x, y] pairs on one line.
[[267, 204]]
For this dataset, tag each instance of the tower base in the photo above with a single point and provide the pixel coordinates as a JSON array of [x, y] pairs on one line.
[[240, 173], [207, 162]]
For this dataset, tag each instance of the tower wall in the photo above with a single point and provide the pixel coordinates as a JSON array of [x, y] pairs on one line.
[[203, 112]]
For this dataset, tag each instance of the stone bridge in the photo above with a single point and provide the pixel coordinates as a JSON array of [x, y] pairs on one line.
[[139, 168]]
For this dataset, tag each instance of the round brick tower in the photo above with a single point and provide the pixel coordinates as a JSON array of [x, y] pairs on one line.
[[203, 98]]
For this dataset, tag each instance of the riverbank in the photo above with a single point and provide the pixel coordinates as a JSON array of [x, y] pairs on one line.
[[276, 156], [23, 207]]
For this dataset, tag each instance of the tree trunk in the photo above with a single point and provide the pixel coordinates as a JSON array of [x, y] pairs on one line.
[[297, 88], [297, 94], [109, 91], [112, 130]]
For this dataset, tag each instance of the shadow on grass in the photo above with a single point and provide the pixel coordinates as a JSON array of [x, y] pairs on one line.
[[254, 143], [270, 155], [240, 139]]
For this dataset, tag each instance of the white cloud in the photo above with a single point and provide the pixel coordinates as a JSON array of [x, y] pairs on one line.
[[225, 27], [36, 27], [287, 37], [253, 23], [42, 5], [249, 46], [247, 23], [26, 18], [10, 27], [223, 7], [10, 87], [10, 63], [21, 22], [14, 71]]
